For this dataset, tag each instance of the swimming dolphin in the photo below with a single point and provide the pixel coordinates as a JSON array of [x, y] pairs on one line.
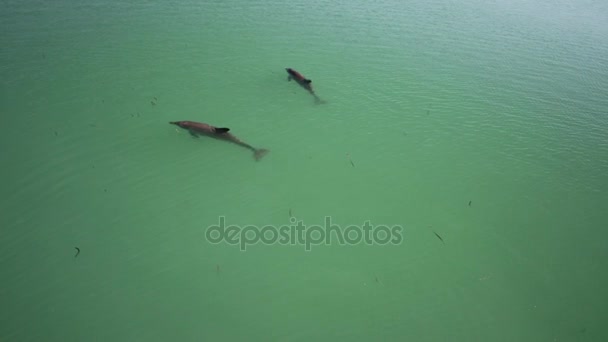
[[303, 82], [199, 128]]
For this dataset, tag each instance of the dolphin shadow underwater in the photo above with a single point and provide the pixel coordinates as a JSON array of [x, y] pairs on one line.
[[304, 83], [198, 128]]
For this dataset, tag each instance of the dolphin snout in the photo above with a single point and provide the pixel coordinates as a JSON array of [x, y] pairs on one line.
[[174, 122]]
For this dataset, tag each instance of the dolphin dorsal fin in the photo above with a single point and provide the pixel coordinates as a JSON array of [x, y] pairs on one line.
[[221, 130]]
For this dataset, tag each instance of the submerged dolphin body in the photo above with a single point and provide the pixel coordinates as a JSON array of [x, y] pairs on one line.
[[303, 82], [199, 128]]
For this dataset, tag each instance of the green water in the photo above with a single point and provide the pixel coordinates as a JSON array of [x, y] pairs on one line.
[[503, 104]]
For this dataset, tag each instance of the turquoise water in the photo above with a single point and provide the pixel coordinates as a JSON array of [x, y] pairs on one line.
[[437, 104]]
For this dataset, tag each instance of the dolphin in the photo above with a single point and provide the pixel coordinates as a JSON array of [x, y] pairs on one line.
[[303, 82], [199, 128]]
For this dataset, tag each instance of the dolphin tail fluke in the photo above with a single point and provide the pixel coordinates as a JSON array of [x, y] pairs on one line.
[[259, 153], [318, 100]]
